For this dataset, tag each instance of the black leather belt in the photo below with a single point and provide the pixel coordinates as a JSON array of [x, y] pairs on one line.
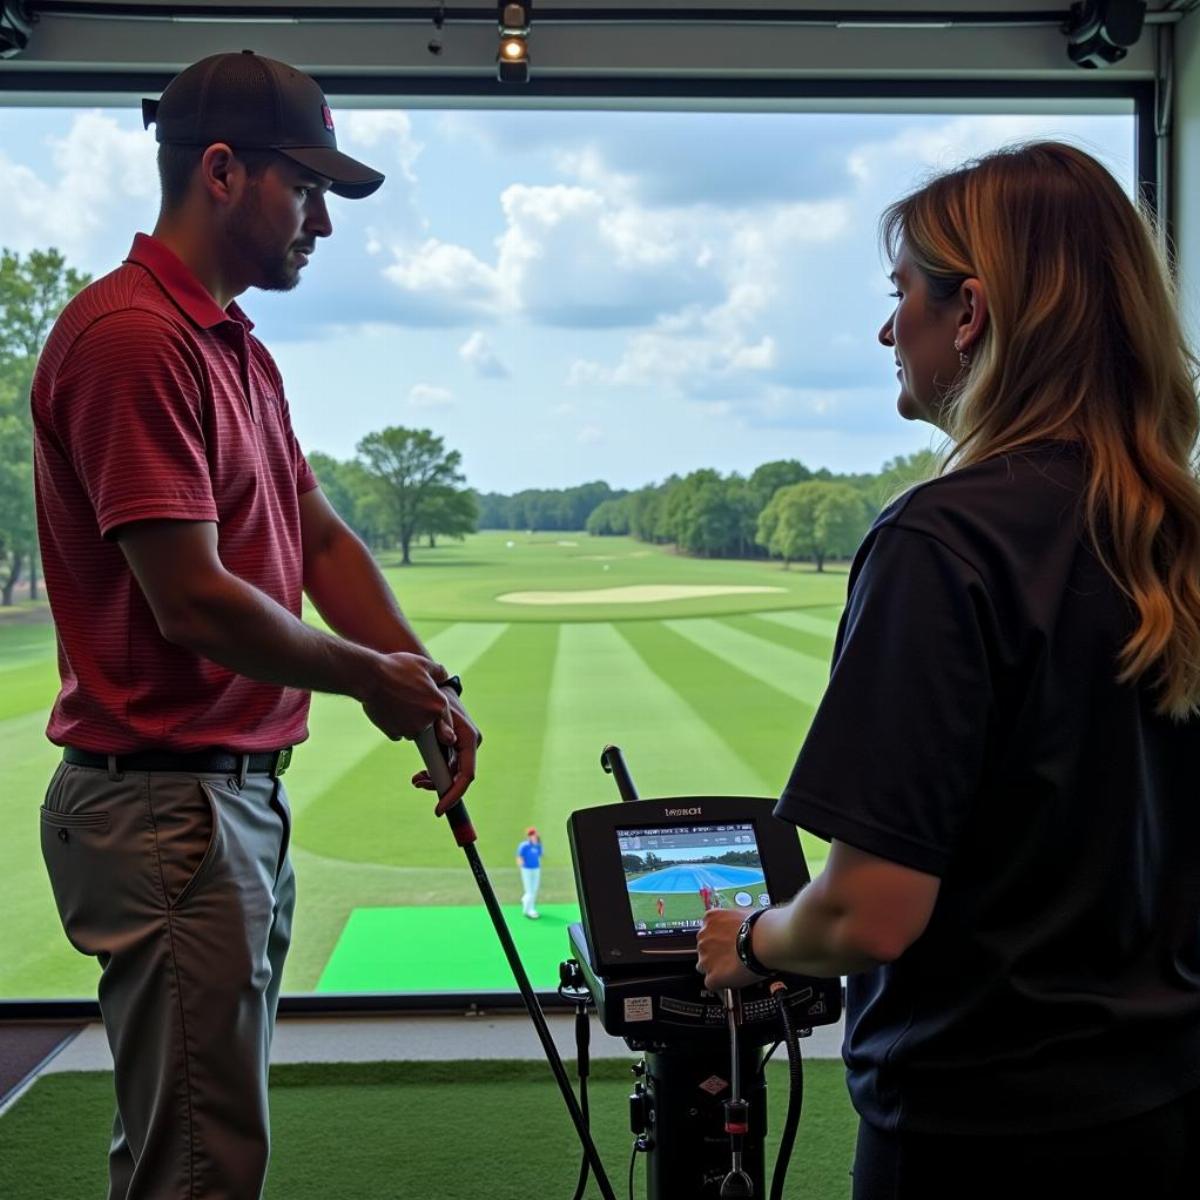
[[198, 762]]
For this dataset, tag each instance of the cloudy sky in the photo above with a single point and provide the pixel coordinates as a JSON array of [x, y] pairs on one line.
[[571, 296]]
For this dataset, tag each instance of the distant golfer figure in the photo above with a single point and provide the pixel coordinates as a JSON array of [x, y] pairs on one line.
[[529, 859], [660, 905]]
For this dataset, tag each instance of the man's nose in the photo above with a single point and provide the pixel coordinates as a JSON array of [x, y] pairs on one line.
[[886, 337], [316, 219]]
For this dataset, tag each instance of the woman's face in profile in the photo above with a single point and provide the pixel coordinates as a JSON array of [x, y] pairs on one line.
[[921, 333]]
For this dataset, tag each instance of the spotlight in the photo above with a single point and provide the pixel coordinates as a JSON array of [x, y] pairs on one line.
[[512, 58], [15, 23], [1100, 32]]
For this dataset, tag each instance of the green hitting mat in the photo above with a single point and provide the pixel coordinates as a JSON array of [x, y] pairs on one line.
[[422, 948]]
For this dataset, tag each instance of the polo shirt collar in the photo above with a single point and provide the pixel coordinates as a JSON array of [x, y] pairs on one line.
[[181, 284]]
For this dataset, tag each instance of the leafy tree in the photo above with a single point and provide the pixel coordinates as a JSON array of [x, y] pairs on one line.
[[899, 474], [412, 470], [770, 477], [814, 520], [34, 289], [334, 478], [609, 518], [451, 513], [712, 517]]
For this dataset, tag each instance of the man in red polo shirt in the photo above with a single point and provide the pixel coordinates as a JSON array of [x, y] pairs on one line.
[[179, 526]]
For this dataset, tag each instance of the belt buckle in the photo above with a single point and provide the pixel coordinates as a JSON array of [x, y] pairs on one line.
[[283, 760]]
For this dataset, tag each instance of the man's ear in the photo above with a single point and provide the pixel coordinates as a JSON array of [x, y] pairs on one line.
[[222, 175]]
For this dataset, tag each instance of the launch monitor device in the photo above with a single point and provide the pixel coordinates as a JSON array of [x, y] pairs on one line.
[[646, 871]]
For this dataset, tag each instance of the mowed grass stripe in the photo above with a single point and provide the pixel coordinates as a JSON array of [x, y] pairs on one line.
[[23, 642], [760, 724], [809, 622], [800, 676], [29, 688], [370, 813], [604, 692], [37, 960], [342, 736], [815, 645]]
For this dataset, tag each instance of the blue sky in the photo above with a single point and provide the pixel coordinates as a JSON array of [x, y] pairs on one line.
[[567, 296]]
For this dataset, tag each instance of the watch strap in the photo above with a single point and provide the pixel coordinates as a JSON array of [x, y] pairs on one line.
[[744, 944]]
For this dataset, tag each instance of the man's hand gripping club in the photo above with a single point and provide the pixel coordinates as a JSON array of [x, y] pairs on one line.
[[405, 699]]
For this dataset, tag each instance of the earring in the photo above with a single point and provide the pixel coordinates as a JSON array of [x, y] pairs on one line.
[[964, 359]]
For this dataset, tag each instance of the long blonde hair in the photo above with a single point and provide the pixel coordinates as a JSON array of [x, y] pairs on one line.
[[1083, 342]]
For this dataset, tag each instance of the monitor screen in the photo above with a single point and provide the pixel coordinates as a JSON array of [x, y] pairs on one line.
[[675, 873]]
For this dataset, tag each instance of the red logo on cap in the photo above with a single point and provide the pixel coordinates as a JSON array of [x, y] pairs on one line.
[[328, 117]]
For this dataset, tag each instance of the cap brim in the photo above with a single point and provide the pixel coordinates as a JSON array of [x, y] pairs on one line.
[[348, 177]]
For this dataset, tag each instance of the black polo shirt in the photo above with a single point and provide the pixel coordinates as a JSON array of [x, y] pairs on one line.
[[973, 729]]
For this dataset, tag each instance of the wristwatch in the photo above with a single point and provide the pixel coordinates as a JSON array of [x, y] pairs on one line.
[[743, 944], [454, 683]]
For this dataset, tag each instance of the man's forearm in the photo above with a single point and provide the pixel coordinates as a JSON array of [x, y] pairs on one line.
[[240, 627], [349, 590], [812, 936]]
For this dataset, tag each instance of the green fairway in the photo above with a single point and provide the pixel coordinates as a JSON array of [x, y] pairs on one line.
[[706, 695]]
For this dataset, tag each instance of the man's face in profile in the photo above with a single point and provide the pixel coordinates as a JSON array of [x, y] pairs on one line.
[[275, 226]]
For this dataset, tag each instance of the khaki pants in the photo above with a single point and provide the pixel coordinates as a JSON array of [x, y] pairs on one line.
[[181, 886]]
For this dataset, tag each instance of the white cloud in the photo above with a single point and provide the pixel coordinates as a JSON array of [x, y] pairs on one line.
[[386, 130], [440, 275], [102, 174], [477, 352], [590, 435], [425, 395]]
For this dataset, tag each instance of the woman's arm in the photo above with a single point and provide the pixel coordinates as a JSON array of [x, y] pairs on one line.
[[859, 912]]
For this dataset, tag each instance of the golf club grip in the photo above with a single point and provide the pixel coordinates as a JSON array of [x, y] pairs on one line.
[[434, 758]]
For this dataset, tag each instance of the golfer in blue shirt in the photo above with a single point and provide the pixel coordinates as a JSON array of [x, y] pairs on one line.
[[529, 859]]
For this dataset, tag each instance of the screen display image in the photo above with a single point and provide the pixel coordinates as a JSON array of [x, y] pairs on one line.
[[675, 874]]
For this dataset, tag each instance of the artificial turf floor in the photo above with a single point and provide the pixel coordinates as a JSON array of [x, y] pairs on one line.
[[438, 1131]]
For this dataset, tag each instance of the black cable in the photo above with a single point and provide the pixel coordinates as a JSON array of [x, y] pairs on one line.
[[632, 1160], [791, 1122], [767, 1057]]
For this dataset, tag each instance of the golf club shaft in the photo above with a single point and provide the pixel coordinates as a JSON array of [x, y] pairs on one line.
[[435, 763]]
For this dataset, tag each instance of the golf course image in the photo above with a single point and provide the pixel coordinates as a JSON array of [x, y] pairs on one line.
[[705, 672]]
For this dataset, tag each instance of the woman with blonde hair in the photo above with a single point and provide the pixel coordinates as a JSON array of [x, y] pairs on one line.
[[1007, 758]]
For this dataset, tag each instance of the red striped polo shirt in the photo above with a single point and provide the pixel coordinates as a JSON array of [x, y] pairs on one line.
[[151, 402]]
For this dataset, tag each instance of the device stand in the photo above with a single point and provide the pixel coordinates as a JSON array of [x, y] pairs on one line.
[[688, 1150]]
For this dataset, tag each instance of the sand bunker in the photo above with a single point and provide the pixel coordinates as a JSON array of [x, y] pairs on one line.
[[643, 593]]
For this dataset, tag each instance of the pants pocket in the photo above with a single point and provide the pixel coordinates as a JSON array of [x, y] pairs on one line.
[[90, 853], [187, 833]]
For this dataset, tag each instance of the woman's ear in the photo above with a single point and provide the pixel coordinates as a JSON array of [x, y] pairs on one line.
[[973, 317]]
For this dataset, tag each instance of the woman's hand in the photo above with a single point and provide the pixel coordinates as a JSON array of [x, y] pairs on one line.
[[719, 963]]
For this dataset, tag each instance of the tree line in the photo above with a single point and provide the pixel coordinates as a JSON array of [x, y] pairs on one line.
[[782, 510]]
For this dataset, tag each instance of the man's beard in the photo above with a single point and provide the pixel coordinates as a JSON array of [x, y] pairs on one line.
[[272, 269]]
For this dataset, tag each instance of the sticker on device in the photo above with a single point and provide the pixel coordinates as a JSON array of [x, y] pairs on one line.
[[639, 1008]]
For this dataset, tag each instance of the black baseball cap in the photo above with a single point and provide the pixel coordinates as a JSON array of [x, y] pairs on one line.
[[256, 103]]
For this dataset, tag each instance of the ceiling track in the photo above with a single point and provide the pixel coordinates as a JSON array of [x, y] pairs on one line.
[[864, 18]]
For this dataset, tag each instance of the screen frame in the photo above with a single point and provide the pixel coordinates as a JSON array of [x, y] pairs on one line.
[[124, 81]]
